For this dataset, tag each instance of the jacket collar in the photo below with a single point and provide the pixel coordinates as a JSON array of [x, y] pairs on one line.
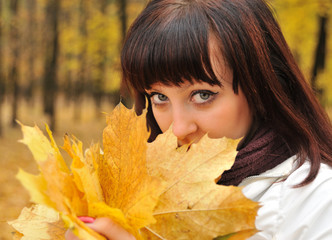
[[255, 186]]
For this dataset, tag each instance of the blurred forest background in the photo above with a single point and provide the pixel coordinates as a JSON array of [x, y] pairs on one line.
[[59, 64]]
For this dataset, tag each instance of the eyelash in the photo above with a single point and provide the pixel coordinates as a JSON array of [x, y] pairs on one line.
[[209, 100], [194, 93], [151, 95]]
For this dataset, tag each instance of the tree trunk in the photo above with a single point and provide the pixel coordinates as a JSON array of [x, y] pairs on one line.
[[50, 77], [2, 82], [32, 9], [123, 91], [1, 128], [81, 76], [123, 18], [320, 55], [13, 74], [99, 82]]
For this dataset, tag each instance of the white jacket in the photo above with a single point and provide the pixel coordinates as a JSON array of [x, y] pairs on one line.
[[289, 213]]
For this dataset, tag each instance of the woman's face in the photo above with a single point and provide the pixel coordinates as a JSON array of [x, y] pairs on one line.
[[199, 108]]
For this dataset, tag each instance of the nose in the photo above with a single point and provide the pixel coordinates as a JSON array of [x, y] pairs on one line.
[[184, 126]]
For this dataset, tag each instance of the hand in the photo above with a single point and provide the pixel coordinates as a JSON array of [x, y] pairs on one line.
[[107, 228]]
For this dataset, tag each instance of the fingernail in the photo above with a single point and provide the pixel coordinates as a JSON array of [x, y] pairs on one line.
[[86, 219]]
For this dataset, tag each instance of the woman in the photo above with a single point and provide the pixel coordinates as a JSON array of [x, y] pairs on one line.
[[222, 67]]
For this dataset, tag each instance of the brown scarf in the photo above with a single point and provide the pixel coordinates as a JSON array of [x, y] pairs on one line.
[[263, 151]]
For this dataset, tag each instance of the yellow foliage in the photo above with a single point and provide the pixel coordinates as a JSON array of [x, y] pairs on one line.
[[44, 223], [192, 205], [155, 189], [299, 21]]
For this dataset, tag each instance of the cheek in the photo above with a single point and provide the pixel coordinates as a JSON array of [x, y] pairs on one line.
[[163, 120], [240, 119], [218, 123], [232, 120], [243, 120]]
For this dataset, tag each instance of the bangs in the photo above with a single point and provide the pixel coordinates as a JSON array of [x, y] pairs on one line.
[[170, 48]]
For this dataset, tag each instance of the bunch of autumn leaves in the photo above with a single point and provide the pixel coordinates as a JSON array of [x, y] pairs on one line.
[[153, 190]]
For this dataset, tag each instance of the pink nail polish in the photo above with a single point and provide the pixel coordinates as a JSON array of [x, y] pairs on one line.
[[86, 219]]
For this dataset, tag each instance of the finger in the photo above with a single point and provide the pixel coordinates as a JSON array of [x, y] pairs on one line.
[[110, 229], [86, 219], [69, 235]]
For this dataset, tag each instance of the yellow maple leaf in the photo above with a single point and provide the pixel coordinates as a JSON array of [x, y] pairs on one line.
[[135, 183], [44, 223], [114, 184], [193, 206]]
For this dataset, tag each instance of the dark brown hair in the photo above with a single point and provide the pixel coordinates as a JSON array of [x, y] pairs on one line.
[[168, 43]]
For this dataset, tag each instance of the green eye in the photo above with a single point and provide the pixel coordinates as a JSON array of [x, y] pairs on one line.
[[158, 98], [204, 95], [162, 97]]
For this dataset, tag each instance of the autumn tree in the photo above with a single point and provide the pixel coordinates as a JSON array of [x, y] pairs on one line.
[[31, 48], [99, 79], [123, 18], [79, 89], [2, 82], [320, 54], [305, 27], [51, 61], [15, 52]]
